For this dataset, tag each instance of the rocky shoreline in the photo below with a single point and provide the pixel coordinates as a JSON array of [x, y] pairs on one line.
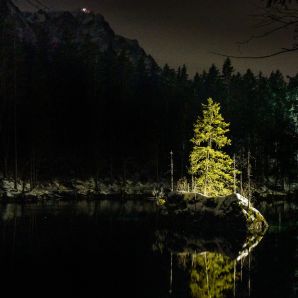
[[79, 189], [62, 189]]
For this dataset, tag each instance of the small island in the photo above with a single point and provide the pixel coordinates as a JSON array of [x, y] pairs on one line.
[[214, 197]]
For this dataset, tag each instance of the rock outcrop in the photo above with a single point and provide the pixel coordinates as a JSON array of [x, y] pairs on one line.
[[233, 212]]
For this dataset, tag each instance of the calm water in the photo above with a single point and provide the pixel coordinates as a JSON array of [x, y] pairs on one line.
[[112, 249]]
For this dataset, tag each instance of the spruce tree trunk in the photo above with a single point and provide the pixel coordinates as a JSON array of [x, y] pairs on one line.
[[15, 117], [207, 168]]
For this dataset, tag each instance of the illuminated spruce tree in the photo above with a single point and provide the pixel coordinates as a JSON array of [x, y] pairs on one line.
[[212, 168]]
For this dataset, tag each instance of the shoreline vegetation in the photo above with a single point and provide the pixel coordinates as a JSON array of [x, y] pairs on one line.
[[72, 189]]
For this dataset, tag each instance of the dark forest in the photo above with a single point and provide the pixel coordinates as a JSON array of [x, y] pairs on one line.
[[72, 110]]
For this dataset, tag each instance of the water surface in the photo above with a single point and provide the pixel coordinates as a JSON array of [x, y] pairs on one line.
[[110, 249]]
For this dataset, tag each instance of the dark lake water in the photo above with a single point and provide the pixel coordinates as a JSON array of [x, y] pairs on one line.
[[114, 249]]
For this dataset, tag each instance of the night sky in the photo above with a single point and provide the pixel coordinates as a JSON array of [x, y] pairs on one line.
[[186, 32]]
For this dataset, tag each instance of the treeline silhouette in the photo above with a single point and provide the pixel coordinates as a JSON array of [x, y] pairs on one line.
[[75, 112]]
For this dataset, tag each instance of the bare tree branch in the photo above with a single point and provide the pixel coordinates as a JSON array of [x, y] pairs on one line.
[[267, 33], [282, 51], [278, 15]]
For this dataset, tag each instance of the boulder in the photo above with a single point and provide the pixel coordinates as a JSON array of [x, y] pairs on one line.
[[233, 211]]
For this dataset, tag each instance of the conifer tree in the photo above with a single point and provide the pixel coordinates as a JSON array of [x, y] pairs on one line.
[[212, 168]]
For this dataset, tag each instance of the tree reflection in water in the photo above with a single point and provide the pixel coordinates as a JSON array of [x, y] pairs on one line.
[[211, 275], [210, 267]]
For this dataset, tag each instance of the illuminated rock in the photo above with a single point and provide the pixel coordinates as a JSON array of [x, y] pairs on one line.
[[233, 211]]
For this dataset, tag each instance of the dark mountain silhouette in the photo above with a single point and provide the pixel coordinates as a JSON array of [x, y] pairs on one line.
[[78, 28]]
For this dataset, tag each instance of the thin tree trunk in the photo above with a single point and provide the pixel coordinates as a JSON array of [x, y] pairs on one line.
[[172, 171], [182, 161], [157, 165], [171, 274], [15, 118], [207, 168], [241, 184], [249, 280], [5, 167], [235, 174], [248, 178], [111, 169], [234, 277]]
